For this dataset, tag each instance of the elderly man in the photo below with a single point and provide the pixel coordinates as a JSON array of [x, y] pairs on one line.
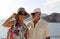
[[38, 28]]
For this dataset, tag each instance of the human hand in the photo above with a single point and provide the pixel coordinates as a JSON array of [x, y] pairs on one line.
[[14, 15]]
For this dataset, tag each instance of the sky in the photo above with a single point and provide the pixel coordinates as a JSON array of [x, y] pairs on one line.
[[8, 7]]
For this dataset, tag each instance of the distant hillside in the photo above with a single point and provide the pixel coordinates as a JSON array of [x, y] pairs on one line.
[[55, 17], [43, 15]]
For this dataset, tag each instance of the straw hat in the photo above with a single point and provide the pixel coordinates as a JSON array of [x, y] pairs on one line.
[[23, 9]]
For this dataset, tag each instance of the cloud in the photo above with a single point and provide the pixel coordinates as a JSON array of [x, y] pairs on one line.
[[4, 8], [51, 6], [50, 2], [7, 7]]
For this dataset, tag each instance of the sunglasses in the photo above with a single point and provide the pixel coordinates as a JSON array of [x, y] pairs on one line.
[[22, 13], [33, 13]]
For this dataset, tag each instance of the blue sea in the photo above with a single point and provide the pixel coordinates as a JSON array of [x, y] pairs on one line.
[[54, 30]]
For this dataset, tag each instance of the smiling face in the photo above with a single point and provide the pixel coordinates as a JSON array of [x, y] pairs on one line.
[[22, 17], [36, 15]]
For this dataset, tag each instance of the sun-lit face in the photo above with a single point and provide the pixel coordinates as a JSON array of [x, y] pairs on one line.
[[36, 15], [22, 17]]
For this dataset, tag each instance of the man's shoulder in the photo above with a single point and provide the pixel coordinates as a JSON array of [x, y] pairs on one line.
[[30, 23], [43, 21]]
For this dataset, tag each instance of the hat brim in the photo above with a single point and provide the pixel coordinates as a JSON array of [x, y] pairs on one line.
[[27, 15]]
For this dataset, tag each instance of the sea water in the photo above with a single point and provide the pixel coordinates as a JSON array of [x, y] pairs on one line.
[[54, 30]]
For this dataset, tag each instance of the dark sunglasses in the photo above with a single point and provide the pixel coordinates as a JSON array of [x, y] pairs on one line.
[[33, 13], [22, 13]]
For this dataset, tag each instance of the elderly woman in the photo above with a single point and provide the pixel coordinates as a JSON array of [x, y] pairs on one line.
[[18, 29]]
